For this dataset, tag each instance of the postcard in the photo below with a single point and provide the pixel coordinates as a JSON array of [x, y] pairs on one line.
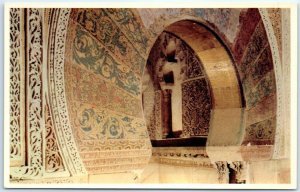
[[141, 95]]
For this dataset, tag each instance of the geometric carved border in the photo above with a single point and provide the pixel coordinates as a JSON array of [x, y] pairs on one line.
[[57, 38]]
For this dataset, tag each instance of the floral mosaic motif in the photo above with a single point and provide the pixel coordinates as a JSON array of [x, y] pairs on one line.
[[91, 124], [257, 44], [264, 88], [101, 93], [128, 22], [258, 69], [263, 130], [196, 107], [103, 28], [101, 124], [134, 128], [112, 126], [263, 65], [88, 53]]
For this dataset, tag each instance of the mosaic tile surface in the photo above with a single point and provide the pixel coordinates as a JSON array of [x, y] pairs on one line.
[[249, 20], [112, 45]]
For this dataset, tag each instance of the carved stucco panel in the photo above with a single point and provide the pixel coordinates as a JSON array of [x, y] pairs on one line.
[[16, 88], [34, 105]]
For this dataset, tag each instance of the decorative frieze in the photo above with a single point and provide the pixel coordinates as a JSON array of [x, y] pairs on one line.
[[113, 144], [179, 152], [184, 162]]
